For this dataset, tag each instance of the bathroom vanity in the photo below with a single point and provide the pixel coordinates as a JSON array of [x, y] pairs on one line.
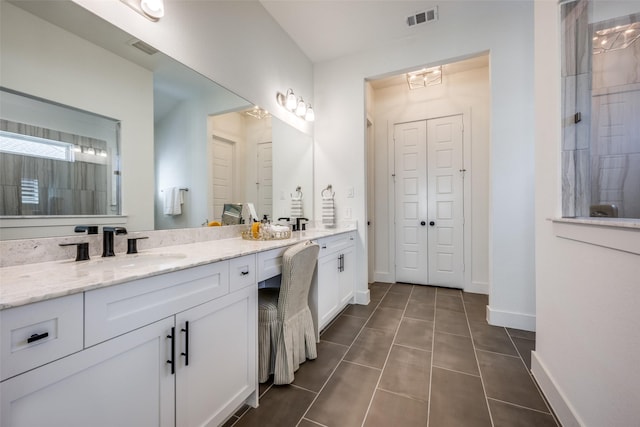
[[165, 338]]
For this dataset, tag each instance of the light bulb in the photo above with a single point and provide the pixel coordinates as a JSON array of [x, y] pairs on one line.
[[153, 8], [301, 109], [290, 102], [310, 116]]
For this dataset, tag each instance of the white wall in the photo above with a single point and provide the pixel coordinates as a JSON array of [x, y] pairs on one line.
[[505, 29], [464, 93], [42, 60], [587, 296], [234, 43]]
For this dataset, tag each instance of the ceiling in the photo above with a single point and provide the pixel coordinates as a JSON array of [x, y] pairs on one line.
[[329, 29]]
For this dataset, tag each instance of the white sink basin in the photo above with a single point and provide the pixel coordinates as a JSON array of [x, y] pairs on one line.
[[139, 260]]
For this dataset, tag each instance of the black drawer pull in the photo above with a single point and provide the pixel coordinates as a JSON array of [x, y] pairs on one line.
[[37, 337], [244, 273], [186, 343], [173, 350]]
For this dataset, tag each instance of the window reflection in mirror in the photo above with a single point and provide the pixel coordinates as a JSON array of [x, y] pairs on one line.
[[56, 160], [601, 102]]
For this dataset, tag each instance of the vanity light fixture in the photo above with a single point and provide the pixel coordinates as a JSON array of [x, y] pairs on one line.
[[296, 106], [425, 77], [153, 10]]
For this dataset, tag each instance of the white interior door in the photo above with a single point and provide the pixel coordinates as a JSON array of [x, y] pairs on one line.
[[223, 154], [411, 202], [265, 180], [429, 216], [445, 201]]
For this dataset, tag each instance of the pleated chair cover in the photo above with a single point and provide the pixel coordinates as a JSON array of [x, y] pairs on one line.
[[286, 336]]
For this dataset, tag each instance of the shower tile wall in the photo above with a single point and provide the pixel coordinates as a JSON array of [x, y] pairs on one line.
[[576, 83], [63, 188]]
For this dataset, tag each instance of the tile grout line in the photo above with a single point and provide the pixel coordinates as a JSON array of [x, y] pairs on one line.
[[475, 353], [433, 345], [456, 371], [519, 406], [535, 383], [366, 414], [341, 360]]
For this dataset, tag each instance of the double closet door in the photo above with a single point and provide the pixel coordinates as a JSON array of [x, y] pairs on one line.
[[429, 202]]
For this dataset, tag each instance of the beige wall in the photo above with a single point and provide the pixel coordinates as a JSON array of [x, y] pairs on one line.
[[464, 93]]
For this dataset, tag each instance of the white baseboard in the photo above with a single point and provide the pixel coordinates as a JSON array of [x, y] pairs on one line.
[[562, 408], [510, 319], [478, 288], [383, 276], [362, 297]]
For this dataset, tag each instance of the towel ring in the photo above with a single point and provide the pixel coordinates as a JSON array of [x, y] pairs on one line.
[[326, 193], [298, 193]]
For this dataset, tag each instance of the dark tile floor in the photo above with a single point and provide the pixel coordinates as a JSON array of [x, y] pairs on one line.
[[415, 356]]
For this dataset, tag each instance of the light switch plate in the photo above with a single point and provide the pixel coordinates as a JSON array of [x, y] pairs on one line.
[[350, 192]]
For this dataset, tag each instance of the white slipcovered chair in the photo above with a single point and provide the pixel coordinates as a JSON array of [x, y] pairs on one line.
[[286, 336]]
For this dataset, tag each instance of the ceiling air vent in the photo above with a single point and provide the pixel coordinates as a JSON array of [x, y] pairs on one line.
[[423, 17], [139, 44]]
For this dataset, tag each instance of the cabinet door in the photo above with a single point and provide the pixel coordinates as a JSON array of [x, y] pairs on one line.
[[222, 358], [121, 382], [347, 275], [328, 295]]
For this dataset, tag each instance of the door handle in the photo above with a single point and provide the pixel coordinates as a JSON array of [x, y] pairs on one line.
[[422, 223], [173, 350], [432, 223]]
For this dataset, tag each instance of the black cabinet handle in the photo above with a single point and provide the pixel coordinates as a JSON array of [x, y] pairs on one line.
[[186, 343], [37, 337], [432, 223], [244, 273], [423, 223], [173, 350]]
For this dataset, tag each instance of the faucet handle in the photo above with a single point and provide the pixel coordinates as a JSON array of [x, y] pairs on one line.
[[82, 253], [132, 244], [90, 229], [115, 230]]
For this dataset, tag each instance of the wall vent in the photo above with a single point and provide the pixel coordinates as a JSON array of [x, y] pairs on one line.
[[423, 17], [139, 44]]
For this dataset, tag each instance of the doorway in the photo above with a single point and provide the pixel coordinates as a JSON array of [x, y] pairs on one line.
[[429, 201]]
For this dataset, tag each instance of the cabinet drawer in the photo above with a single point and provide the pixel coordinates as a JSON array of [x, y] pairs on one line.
[[39, 333], [270, 263], [242, 272], [115, 310], [335, 243]]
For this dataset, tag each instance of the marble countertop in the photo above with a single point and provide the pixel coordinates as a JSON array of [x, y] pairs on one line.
[[29, 283]]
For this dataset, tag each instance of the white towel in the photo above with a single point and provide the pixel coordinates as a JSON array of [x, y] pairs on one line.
[[328, 211], [296, 206], [173, 200]]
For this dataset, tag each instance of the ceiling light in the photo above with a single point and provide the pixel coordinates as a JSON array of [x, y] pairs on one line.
[[258, 113], [424, 77]]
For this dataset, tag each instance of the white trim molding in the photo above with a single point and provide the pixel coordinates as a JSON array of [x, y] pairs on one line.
[[557, 400], [510, 319], [478, 288]]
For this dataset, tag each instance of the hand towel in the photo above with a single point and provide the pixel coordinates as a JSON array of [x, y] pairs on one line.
[[172, 201], [296, 205], [328, 209]]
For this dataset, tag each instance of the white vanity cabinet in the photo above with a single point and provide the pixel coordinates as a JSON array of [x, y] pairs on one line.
[[121, 382], [335, 281], [178, 349]]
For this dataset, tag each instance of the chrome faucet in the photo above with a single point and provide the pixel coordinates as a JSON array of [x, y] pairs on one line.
[[107, 239]]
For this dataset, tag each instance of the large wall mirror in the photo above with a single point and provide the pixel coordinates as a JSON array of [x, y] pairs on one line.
[[179, 131]]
